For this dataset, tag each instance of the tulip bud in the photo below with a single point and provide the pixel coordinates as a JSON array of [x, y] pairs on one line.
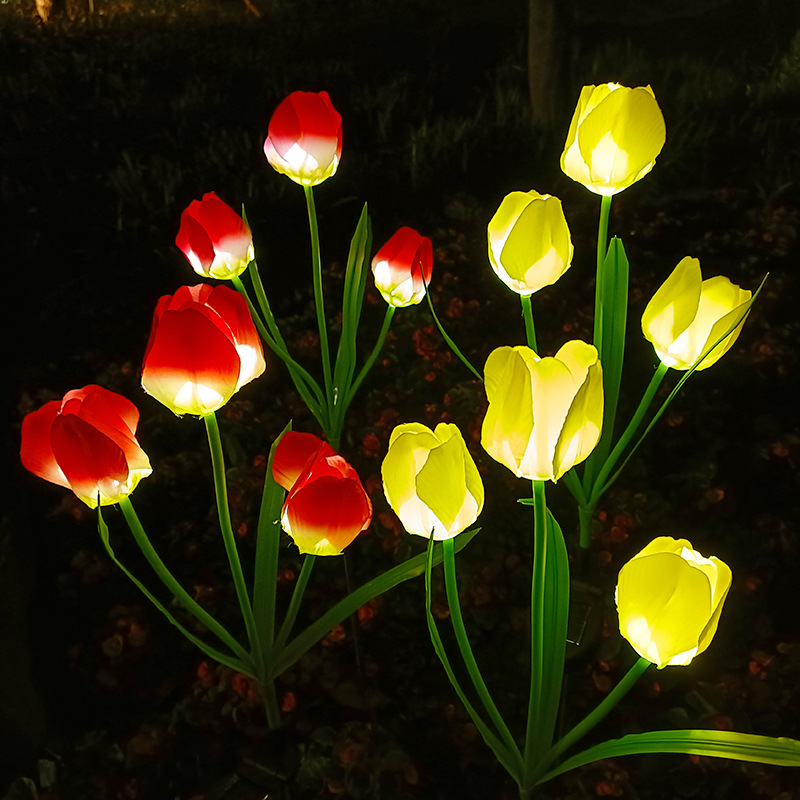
[[669, 599], [687, 315], [614, 137], [203, 348], [215, 240], [545, 414], [431, 481], [402, 268], [529, 241], [304, 141], [87, 443], [326, 507]]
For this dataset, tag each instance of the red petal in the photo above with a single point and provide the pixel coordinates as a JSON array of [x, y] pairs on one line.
[[293, 455], [194, 241], [36, 452], [219, 220], [187, 347], [90, 461]]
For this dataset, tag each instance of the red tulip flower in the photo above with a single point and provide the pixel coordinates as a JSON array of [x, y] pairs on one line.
[[203, 348], [215, 240], [326, 507], [86, 442], [400, 266], [304, 141]]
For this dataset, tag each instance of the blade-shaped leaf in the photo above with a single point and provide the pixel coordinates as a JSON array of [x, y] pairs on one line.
[[412, 568], [780, 751]]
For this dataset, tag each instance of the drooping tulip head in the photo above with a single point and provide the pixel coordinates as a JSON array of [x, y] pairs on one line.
[[304, 141], [669, 599], [402, 268], [87, 443], [545, 414], [326, 507], [203, 348], [431, 481], [215, 240], [688, 315], [614, 137], [530, 246]]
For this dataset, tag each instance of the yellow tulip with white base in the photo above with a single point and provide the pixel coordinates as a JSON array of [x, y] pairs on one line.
[[431, 481], [529, 241], [614, 137], [669, 599], [688, 315], [545, 414]]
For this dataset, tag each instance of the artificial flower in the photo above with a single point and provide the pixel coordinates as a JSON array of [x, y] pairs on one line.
[[545, 414], [614, 137], [688, 315], [326, 507], [87, 443], [215, 240], [669, 599], [402, 268], [203, 348], [529, 241], [431, 481], [304, 141]]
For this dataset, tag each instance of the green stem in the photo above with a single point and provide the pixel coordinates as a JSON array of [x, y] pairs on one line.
[[450, 343], [294, 603], [167, 578], [601, 483], [602, 249], [269, 697], [263, 301], [605, 705], [451, 588], [533, 733], [228, 536], [304, 383], [319, 300], [527, 313], [369, 363]]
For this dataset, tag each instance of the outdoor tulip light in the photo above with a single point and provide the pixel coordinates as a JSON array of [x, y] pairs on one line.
[[548, 419]]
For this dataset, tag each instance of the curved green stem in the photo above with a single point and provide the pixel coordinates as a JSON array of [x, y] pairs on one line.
[[533, 733], [294, 603], [183, 597], [228, 536], [602, 249], [601, 483], [303, 381], [527, 313], [263, 302], [369, 363], [319, 300], [605, 705], [450, 343], [451, 588]]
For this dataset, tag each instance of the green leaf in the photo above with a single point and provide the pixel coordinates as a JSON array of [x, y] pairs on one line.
[[780, 751], [267, 546], [223, 658], [556, 609], [412, 568], [612, 312]]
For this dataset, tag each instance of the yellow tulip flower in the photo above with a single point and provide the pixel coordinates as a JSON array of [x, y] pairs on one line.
[[614, 137], [545, 414], [687, 315], [529, 241], [669, 599], [431, 481]]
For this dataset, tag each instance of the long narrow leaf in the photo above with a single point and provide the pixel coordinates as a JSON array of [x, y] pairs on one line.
[[223, 658], [780, 751], [556, 603], [501, 753], [412, 568]]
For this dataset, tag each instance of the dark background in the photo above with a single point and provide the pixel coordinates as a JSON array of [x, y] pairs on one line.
[[112, 122]]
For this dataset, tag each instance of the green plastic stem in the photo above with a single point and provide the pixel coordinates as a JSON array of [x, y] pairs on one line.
[[527, 314]]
